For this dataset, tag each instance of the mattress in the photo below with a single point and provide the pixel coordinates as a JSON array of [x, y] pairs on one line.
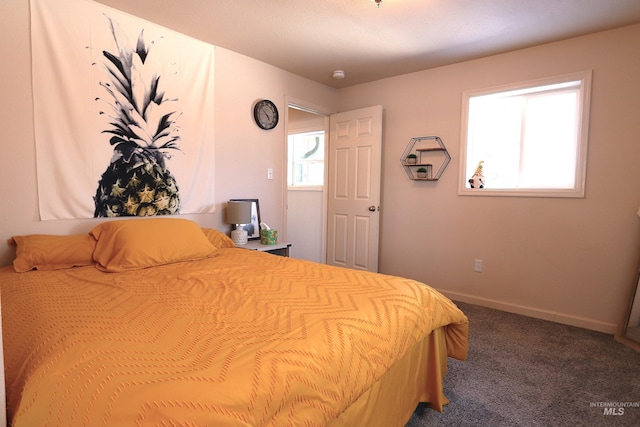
[[240, 339]]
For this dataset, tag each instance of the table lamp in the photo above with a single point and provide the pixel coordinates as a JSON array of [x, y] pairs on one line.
[[238, 214]]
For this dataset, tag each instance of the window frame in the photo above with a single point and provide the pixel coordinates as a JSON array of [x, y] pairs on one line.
[[578, 190]]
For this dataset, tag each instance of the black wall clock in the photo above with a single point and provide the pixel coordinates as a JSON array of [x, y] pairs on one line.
[[265, 114]]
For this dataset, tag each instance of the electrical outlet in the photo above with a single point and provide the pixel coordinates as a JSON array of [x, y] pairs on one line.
[[477, 266]]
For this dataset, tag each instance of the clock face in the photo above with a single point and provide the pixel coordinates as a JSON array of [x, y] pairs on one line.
[[265, 114]]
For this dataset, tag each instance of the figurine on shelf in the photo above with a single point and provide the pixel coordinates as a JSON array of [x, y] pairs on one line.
[[477, 180]]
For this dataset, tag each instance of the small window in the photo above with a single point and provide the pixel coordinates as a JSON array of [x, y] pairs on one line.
[[527, 139], [306, 160]]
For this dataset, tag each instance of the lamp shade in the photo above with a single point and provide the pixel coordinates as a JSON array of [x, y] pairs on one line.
[[238, 212]]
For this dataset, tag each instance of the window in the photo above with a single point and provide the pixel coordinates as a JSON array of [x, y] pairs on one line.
[[530, 137], [306, 160]]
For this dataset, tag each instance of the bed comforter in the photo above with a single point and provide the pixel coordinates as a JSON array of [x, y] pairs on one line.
[[241, 339]]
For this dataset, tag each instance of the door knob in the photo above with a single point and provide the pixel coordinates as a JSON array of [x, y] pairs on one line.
[[372, 208]]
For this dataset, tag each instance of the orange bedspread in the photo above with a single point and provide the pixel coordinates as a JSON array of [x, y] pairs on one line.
[[245, 338]]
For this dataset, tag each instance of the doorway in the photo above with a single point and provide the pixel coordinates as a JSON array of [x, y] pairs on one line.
[[305, 191], [335, 221]]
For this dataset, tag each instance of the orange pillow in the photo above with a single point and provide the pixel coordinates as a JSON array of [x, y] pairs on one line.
[[51, 252], [133, 244], [218, 238]]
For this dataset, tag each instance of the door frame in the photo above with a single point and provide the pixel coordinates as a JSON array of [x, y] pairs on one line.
[[301, 104]]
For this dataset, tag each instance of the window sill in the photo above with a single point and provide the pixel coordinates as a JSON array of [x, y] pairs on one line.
[[306, 188], [492, 192]]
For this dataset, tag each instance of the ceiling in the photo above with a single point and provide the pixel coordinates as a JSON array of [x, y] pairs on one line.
[[312, 38]]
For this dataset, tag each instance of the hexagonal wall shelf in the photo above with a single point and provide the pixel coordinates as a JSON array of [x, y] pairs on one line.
[[422, 156]]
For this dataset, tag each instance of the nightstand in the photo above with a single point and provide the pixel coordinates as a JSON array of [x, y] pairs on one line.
[[281, 249]]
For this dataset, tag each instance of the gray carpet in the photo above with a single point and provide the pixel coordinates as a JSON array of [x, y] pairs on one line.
[[529, 372]]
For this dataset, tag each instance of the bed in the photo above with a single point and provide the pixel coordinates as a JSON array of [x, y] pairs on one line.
[[161, 322]]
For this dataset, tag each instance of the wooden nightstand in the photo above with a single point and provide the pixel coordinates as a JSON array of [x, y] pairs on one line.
[[281, 249]]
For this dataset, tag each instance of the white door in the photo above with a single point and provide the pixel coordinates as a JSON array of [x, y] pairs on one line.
[[353, 205]]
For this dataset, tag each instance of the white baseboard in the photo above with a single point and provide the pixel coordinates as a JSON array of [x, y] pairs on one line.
[[537, 313]]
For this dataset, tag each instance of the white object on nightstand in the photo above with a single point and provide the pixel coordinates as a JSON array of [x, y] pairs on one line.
[[281, 249]]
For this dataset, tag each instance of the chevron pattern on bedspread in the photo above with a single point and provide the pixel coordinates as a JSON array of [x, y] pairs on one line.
[[245, 338]]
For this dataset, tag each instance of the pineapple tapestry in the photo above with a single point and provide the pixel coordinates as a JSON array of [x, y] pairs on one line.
[[137, 182], [123, 113]]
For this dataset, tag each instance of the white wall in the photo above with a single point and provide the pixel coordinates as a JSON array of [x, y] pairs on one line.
[[570, 260], [242, 151], [304, 224]]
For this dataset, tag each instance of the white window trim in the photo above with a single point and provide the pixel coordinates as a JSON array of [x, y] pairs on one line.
[[583, 136]]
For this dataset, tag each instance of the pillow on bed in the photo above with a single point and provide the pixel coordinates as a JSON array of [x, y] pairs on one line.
[[133, 244], [51, 252], [218, 238]]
